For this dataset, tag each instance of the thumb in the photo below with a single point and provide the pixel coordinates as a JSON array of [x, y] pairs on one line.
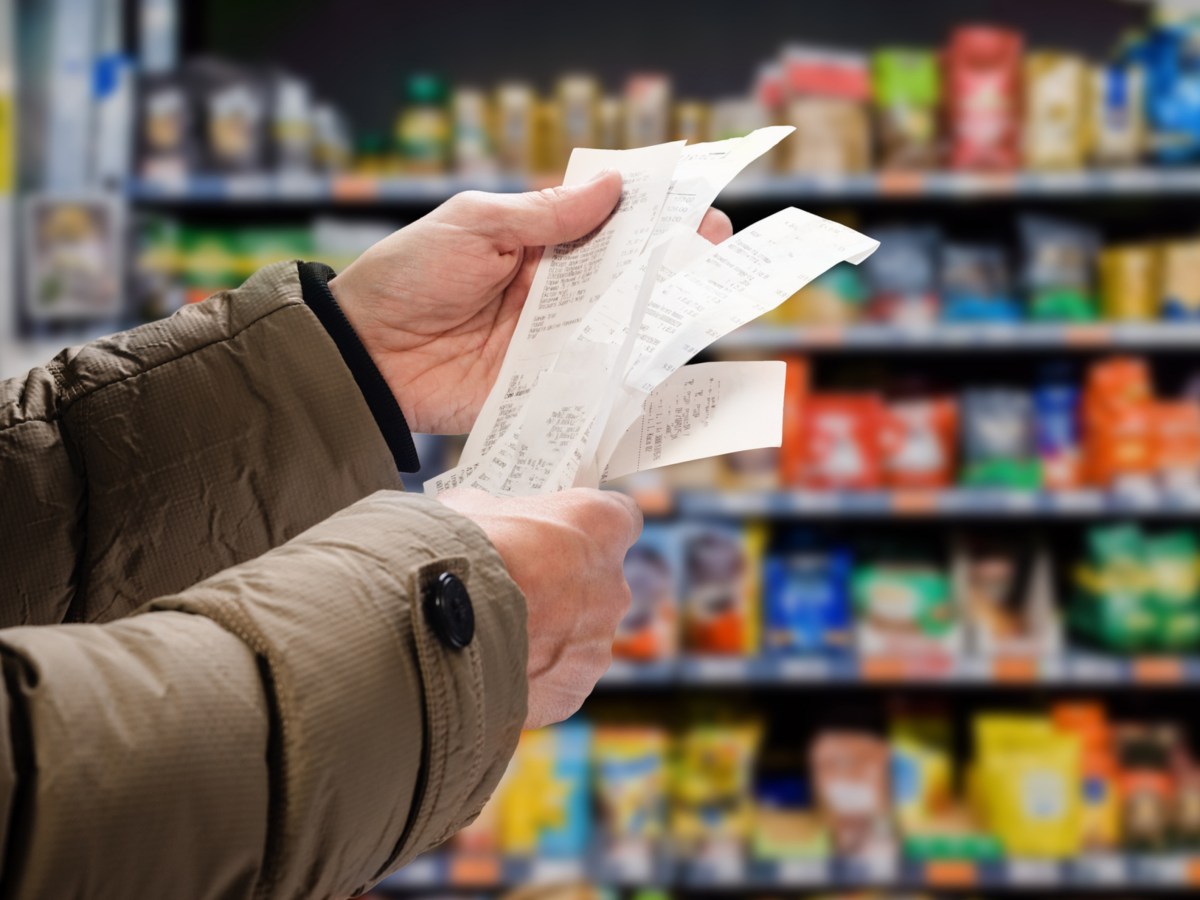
[[555, 215]]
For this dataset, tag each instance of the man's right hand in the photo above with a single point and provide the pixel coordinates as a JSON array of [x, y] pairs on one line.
[[566, 552]]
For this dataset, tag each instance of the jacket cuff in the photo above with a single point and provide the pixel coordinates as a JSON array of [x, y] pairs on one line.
[[314, 282], [386, 741]]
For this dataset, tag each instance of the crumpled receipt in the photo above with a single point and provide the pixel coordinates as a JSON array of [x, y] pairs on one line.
[[595, 383]]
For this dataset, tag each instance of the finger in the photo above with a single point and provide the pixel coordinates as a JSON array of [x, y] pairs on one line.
[[629, 508], [715, 226], [552, 216]]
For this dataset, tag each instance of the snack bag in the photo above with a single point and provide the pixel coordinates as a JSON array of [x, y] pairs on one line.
[[902, 277], [1056, 104], [1173, 577], [975, 284], [653, 567], [1146, 789], [903, 606], [1129, 282], [850, 772], [922, 770], [997, 435], [784, 827], [1099, 804], [1058, 432], [1118, 122], [545, 809], [1059, 258], [843, 446], [1177, 445], [1167, 54], [806, 601], [1111, 606], [1119, 421], [1181, 280], [983, 97], [630, 767], [711, 788], [721, 587], [920, 443], [906, 88]]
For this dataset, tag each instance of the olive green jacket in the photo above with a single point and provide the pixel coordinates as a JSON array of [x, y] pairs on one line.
[[218, 679]]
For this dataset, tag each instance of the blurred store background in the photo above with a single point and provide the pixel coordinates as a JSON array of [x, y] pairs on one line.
[[945, 641]]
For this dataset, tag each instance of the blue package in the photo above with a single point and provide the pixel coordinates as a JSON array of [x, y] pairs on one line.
[[975, 284], [1170, 56], [807, 602]]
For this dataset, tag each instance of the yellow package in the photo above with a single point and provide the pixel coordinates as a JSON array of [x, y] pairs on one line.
[[1056, 111], [712, 783], [1029, 776], [1130, 282], [922, 771], [629, 768]]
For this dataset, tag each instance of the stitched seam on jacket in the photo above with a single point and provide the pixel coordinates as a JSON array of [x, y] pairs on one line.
[[441, 733], [81, 394]]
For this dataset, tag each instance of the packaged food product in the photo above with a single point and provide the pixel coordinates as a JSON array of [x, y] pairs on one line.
[[1177, 445], [721, 565], [168, 140], [975, 284], [983, 96], [806, 600], [997, 435], [424, 130], [783, 831], [545, 807], [902, 276], [920, 443], [826, 94], [853, 790], [1146, 789], [1118, 122], [233, 106], [1004, 583], [1099, 804], [691, 121], [1172, 562], [922, 769], [792, 451], [1058, 263], [548, 155], [1055, 131], [610, 123], [1029, 774], [906, 88], [332, 144], [1181, 280], [473, 151], [1058, 432], [711, 789], [650, 630], [516, 113], [835, 297], [578, 99], [1119, 421], [843, 447], [647, 110], [1130, 282], [1167, 55], [293, 131], [630, 768], [903, 605]]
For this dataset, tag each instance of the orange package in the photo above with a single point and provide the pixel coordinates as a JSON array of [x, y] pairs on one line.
[[1177, 442], [1119, 421], [843, 442], [795, 398], [920, 443], [1114, 385]]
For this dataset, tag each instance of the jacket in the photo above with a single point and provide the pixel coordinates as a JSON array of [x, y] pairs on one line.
[[219, 677]]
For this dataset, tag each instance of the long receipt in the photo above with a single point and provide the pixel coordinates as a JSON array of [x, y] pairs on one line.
[[595, 383]]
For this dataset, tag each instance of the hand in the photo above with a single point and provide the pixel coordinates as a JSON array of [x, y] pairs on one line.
[[566, 552], [435, 304]]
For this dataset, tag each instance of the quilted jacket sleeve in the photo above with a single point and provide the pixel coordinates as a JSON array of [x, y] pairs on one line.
[[278, 719]]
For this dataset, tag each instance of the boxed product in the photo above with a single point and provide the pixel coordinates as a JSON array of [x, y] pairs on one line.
[[1181, 280], [1004, 584], [902, 276], [1118, 120], [630, 770], [545, 807], [806, 598], [906, 88], [712, 806], [1130, 282], [826, 95], [74, 249], [785, 825], [922, 768], [921, 443], [975, 284], [1177, 446], [982, 89], [1167, 55], [1056, 130], [653, 570], [1119, 426], [1099, 803], [1146, 789], [851, 777], [997, 439], [903, 605], [843, 442], [1058, 264], [721, 565]]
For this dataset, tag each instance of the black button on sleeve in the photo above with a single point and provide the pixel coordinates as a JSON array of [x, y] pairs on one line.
[[449, 611]]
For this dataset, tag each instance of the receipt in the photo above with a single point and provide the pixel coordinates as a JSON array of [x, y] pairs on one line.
[[704, 410]]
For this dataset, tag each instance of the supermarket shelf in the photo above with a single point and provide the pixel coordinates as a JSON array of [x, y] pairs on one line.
[[1108, 871], [1075, 668], [1000, 337], [957, 503], [302, 188]]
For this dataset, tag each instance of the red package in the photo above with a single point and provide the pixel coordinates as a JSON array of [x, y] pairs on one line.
[[795, 400], [843, 442], [983, 98], [919, 443]]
